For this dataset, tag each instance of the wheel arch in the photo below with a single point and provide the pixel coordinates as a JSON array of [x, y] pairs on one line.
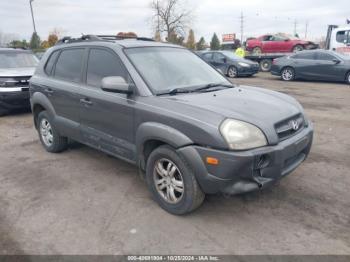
[[151, 135], [39, 103]]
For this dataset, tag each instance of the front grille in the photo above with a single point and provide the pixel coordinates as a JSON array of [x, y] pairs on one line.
[[17, 81], [289, 127], [22, 80]]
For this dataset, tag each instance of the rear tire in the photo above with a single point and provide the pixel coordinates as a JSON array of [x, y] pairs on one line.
[[288, 74], [51, 140], [297, 48], [232, 72], [257, 51], [265, 65], [172, 183]]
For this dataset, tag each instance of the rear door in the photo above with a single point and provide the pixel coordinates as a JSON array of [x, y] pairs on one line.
[[61, 87], [107, 119], [305, 65]]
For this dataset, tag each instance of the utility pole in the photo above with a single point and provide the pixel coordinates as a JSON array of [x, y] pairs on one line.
[[295, 27], [241, 18], [306, 28], [31, 9]]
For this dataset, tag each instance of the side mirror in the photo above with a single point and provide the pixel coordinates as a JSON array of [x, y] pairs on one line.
[[115, 84], [336, 61]]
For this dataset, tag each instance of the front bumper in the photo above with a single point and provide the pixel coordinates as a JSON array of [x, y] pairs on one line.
[[240, 172], [14, 98], [245, 71]]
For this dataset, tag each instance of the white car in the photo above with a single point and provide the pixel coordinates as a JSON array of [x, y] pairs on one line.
[[16, 68]]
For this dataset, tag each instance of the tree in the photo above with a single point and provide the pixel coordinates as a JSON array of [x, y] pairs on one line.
[[176, 39], [18, 44], [215, 42], [157, 37], [170, 16], [35, 41], [52, 39], [201, 44], [45, 44], [191, 42]]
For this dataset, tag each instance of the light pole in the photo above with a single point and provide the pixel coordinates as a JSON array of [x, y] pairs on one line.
[[31, 9]]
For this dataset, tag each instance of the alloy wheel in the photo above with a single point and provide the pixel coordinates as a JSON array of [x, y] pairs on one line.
[[168, 181], [287, 74], [46, 132], [232, 72]]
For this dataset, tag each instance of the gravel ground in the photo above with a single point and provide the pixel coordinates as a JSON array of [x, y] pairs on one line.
[[85, 202]]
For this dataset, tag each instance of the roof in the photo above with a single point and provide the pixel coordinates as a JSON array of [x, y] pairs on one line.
[[126, 42]]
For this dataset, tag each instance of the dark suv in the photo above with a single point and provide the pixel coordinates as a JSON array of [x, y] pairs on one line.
[[164, 109]]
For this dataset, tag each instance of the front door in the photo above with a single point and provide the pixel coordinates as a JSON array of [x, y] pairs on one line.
[[107, 119]]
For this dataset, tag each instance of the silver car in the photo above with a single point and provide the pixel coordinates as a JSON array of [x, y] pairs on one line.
[[16, 68]]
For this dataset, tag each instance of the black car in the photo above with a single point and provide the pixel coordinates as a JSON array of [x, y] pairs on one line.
[[162, 108], [313, 65], [16, 68], [229, 63]]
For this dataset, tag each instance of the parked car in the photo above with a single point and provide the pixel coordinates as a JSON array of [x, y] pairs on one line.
[[16, 68], [162, 108], [313, 65], [277, 44], [229, 63]]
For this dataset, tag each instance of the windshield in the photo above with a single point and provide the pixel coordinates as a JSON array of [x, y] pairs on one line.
[[17, 59], [166, 68]]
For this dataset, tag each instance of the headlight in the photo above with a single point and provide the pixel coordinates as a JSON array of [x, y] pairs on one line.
[[6, 82], [243, 64], [241, 135]]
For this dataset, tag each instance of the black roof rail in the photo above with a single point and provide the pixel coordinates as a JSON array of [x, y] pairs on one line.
[[68, 39]]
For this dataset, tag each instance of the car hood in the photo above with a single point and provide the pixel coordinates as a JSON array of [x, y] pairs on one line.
[[11, 72], [258, 106]]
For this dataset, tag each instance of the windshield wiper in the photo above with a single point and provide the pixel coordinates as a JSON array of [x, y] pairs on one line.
[[211, 85], [174, 91]]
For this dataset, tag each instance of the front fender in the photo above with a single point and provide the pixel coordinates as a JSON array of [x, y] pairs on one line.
[[160, 132]]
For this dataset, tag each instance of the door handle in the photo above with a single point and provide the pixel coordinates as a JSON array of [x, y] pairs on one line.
[[86, 101], [49, 91]]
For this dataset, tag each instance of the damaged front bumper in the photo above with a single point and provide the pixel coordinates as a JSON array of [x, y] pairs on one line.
[[245, 171]]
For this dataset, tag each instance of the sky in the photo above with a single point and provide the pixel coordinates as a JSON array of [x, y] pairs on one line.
[[74, 17]]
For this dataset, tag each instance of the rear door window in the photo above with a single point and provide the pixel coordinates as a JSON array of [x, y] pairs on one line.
[[103, 63], [305, 55], [50, 63], [208, 57], [69, 65]]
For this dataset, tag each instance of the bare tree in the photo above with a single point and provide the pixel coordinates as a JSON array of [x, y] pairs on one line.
[[170, 17]]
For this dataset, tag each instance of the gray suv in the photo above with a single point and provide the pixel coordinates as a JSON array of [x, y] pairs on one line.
[[161, 107]]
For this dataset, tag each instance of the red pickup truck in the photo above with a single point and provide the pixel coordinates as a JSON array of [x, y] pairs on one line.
[[277, 44]]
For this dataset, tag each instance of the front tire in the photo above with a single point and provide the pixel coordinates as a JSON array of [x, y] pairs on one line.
[[348, 78], [232, 72], [172, 183], [51, 140], [288, 74]]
